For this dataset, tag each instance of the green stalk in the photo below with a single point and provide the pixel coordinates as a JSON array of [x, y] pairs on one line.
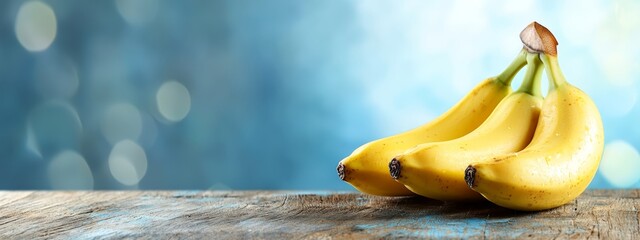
[[508, 74], [531, 82], [554, 74]]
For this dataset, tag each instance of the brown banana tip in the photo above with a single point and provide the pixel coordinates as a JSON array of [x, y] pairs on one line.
[[470, 176], [394, 168], [341, 171], [538, 39]]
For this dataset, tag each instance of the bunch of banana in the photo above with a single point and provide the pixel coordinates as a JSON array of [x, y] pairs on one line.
[[366, 169], [517, 149]]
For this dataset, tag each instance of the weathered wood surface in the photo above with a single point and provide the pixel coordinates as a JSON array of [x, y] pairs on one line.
[[275, 215]]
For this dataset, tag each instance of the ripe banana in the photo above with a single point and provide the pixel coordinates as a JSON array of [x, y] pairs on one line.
[[366, 169], [563, 155], [436, 170]]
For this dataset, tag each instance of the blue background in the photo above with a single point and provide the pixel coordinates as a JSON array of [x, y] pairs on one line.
[[278, 91]]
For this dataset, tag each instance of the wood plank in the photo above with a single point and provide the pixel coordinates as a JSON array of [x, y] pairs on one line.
[[606, 214]]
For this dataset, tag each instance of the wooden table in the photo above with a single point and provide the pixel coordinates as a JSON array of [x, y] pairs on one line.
[[602, 214]]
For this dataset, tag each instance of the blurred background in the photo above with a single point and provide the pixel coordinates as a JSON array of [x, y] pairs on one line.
[[147, 94]]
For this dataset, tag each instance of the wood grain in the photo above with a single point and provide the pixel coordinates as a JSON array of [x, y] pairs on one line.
[[604, 214]]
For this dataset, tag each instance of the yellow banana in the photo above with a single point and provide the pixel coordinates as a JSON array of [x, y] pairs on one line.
[[436, 170], [366, 169], [563, 155]]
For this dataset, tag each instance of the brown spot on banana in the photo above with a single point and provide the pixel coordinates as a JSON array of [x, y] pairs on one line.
[[470, 176], [395, 168], [342, 171]]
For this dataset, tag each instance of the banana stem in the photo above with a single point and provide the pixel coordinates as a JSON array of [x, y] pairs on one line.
[[554, 74], [508, 74], [531, 82]]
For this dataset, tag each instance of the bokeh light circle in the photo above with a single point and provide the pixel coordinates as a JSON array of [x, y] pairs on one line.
[[128, 162], [36, 26], [620, 163], [173, 100], [121, 121], [69, 170]]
